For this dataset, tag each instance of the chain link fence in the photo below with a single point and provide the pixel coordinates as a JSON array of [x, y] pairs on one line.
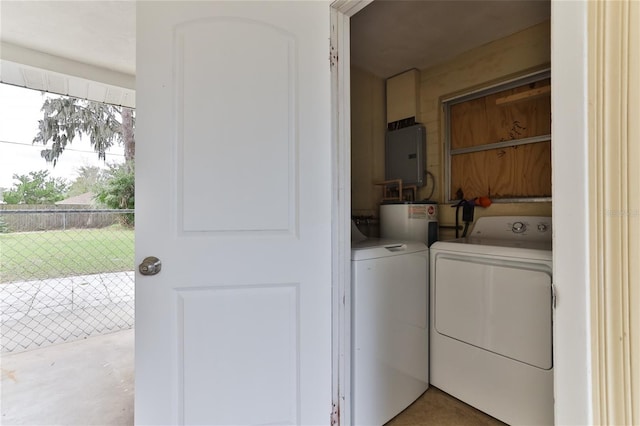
[[65, 274]]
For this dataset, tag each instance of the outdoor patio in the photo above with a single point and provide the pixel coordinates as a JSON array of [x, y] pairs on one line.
[[86, 382]]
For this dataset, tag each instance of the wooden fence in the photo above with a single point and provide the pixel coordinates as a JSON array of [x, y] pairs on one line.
[[31, 218]]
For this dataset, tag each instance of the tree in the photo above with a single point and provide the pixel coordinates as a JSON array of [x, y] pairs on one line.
[[65, 118], [87, 181], [36, 188], [117, 190]]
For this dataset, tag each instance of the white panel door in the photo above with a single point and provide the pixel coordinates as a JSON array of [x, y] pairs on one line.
[[233, 196]]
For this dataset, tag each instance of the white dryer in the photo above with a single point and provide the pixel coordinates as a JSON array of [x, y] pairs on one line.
[[492, 318], [390, 333]]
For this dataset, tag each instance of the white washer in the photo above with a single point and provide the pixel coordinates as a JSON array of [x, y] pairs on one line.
[[390, 333], [491, 318]]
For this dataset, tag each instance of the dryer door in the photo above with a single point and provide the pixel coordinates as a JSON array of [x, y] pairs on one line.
[[501, 306]]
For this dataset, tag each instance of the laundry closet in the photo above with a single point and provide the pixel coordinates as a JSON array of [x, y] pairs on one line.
[[474, 78]]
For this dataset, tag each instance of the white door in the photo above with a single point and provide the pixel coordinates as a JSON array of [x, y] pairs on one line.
[[234, 197]]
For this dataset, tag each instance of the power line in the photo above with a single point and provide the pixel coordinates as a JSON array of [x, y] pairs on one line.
[[66, 149]]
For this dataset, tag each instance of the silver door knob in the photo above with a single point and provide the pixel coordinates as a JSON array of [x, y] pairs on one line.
[[150, 266]]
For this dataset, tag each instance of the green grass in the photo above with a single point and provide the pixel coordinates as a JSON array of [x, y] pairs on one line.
[[54, 254]]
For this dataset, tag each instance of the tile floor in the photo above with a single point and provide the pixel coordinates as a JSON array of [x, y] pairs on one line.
[[436, 408]]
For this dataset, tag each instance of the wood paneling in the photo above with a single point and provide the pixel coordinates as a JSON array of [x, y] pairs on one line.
[[484, 120], [507, 58], [521, 171], [514, 172]]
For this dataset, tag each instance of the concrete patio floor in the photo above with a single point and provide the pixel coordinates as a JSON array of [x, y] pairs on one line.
[[85, 382], [90, 382]]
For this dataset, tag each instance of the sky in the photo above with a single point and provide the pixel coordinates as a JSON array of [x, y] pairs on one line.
[[19, 115]]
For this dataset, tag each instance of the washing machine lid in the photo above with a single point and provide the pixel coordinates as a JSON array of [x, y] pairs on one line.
[[374, 248]]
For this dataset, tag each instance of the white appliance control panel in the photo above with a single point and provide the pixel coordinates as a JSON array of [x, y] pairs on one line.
[[529, 228]]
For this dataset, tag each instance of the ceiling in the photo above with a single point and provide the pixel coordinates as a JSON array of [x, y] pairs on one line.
[[84, 49], [98, 37], [391, 36], [100, 33]]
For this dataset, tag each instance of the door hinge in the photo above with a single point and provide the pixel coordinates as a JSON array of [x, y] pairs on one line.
[[335, 414], [333, 56], [554, 297]]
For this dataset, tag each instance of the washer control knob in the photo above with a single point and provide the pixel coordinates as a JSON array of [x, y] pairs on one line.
[[542, 227], [518, 227]]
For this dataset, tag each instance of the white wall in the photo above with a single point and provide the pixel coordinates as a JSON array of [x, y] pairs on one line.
[[570, 200]]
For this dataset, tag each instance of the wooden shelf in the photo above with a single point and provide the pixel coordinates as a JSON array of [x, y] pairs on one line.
[[393, 190]]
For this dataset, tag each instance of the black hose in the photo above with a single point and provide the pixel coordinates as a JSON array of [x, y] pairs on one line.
[[466, 228]]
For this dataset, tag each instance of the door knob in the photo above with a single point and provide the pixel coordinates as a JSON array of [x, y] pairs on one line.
[[150, 266]]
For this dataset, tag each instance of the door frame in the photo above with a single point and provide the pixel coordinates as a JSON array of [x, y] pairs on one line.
[[572, 332], [573, 383], [340, 62]]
